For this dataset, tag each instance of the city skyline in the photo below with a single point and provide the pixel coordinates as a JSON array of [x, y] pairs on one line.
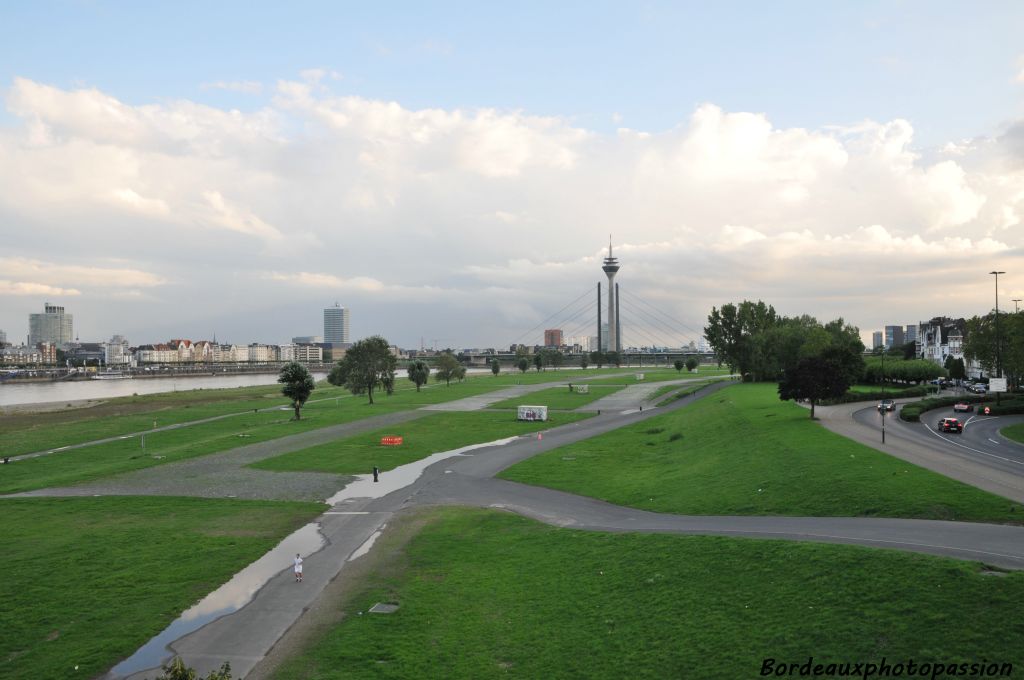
[[435, 172]]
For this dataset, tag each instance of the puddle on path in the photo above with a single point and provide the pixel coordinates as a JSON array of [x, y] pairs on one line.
[[367, 544], [229, 598], [402, 476]]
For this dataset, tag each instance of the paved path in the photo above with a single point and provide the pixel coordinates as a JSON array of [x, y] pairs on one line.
[[244, 637]]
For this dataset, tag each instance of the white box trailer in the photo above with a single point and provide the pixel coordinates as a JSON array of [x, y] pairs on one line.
[[533, 413]]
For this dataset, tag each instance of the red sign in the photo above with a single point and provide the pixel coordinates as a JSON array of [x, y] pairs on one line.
[[391, 440], [986, 410]]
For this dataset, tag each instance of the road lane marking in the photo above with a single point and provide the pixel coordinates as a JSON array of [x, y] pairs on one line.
[[963, 446]]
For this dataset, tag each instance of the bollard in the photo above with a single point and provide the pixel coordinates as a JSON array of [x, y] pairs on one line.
[[540, 435], [376, 473]]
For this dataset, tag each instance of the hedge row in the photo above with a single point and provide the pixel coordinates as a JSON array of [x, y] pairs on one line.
[[1010, 405], [898, 393]]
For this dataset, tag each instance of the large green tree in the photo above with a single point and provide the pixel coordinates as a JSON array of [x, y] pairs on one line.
[[448, 368], [818, 377], [296, 384], [368, 365], [419, 372], [980, 343], [523, 365]]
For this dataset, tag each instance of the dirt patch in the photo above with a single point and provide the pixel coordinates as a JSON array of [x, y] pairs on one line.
[[386, 560]]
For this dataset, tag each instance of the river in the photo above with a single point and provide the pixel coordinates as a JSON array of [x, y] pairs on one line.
[[55, 392]]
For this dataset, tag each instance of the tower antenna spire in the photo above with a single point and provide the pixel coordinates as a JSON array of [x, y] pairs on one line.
[[609, 245]]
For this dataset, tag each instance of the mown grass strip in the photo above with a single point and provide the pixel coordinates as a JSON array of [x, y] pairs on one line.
[[422, 437], [560, 397], [89, 580], [1014, 432], [741, 451], [483, 594]]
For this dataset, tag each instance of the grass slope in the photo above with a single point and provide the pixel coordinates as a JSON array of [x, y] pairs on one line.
[[89, 580], [1014, 432], [422, 437], [484, 594], [742, 451]]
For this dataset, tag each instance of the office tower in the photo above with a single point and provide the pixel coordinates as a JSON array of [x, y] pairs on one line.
[[53, 325], [336, 324]]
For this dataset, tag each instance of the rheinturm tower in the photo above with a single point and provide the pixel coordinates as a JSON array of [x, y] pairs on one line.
[[611, 265]]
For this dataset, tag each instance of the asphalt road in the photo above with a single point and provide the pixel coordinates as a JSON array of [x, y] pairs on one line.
[[980, 441], [245, 636]]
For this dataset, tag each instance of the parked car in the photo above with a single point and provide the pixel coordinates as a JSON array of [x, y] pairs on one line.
[[887, 405], [978, 389], [949, 425], [962, 406]]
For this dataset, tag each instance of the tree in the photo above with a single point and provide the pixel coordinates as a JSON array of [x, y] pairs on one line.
[[816, 378], [614, 358], [419, 372], [598, 359], [297, 384], [956, 368], [447, 368], [538, 360], [691, 363], [367, 365], [523, 365], [583, 361], [679, 364], [495, 367]]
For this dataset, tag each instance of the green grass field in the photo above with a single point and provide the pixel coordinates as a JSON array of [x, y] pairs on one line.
[[484, 594], [659, 375], [442, 431], [101, 460], [1014, 432], [559, 397], [742, 451], [89, 580]]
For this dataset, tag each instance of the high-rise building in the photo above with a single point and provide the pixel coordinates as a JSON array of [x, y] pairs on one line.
[[53, 325], [336, 324], [910, 333], [3, 338], [553, 337], [116, 351], [893, 336], [877, 340], [610, 267]]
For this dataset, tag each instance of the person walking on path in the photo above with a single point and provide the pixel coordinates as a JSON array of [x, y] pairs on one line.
[[298, 568]]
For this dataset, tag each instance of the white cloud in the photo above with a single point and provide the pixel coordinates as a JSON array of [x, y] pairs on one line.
[[480, 219], [243, 86]]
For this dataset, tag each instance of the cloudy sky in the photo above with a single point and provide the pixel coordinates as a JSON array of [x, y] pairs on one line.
[[451, 171]]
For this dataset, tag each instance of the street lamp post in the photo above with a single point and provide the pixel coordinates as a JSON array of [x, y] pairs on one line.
[[1016, 307], [882, 410], [999, 364]]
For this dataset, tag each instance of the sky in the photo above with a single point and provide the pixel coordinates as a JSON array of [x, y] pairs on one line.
[[451, 172]]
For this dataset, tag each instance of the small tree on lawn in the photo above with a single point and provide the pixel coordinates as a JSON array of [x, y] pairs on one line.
[[368, 365], [679, 364], [598, 358], [691, 364], [419, 372], [538, 361], [523, 365], [297, 385], [816, 378], [583, 362], [447, 368], [614, 358], [495, 367]]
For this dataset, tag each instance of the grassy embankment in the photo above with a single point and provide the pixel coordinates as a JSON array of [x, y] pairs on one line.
[[744, 452], [484, 594], [659, 375], [442, 431], [89, 580], [560, 397], [168, 446], [1014, 432]]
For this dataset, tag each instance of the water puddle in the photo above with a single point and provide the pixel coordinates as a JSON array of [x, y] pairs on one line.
[[367, 544], [404, 475], [229, 598]]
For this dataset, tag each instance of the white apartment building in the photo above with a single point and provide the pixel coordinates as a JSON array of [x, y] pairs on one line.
[[116, 352]]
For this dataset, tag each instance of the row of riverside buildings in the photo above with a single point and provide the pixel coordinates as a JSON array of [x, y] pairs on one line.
[[936, 340]]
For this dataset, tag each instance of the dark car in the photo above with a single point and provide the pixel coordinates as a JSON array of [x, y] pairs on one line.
[[949, 425], [962, 406], [887, 405]]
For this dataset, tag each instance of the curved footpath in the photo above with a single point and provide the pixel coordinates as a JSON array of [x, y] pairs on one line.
[[244, 637]]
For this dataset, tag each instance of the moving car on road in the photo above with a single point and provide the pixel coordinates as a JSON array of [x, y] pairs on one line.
[[949, 425], [962, 406], [887, 405]]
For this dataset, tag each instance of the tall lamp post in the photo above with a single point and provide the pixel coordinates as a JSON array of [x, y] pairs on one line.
[[999, 363], [882, 410], [1016, 307]]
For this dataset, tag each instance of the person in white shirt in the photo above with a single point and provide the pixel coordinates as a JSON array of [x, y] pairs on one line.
[[298, 568]]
